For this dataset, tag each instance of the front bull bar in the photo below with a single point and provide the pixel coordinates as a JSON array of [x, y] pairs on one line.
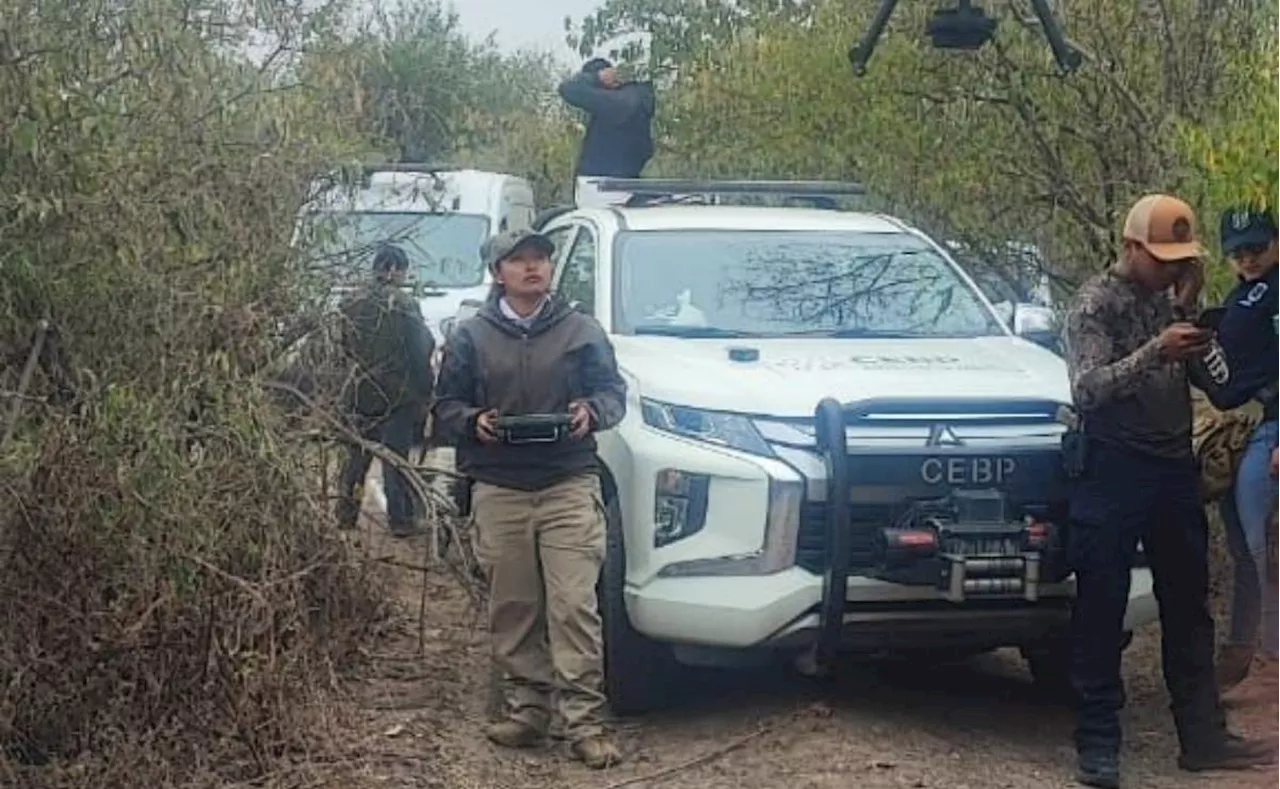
[[832, 442]]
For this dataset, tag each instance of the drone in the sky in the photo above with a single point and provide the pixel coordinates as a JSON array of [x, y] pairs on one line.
[[965, 27]]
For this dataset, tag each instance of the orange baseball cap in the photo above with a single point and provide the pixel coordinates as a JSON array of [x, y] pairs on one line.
[[1165, 226]]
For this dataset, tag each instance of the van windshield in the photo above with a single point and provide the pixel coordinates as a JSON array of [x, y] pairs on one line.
[[443, 249]]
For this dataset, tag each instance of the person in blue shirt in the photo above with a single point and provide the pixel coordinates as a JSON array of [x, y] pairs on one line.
[[1247, 337]]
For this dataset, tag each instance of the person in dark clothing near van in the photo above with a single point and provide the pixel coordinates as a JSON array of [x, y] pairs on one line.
[[537, 507], [386, 337], [619, 138], [1247, 335], [1131, 351]]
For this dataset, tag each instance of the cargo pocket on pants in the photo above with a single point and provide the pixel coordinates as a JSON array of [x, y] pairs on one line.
[[597, 534]]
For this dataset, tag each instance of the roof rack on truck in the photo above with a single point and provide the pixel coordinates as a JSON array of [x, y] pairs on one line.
[[666, 191]]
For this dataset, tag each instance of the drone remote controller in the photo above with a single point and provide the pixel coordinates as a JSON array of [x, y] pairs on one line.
[[533, 428]]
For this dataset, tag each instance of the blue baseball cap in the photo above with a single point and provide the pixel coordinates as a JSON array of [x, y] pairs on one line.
[[1243, 226]]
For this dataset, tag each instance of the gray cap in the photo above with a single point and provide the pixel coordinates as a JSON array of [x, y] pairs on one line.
[[505, 244]]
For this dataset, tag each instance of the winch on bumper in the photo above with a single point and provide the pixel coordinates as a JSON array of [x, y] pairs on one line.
[[965, 545]]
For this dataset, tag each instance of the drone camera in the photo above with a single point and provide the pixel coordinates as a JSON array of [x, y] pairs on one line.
[[965, 27]]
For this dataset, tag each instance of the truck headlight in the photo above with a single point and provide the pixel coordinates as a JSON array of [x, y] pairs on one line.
[[727, 430]]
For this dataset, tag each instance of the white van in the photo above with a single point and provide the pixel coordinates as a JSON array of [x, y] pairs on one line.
[[440, 216]]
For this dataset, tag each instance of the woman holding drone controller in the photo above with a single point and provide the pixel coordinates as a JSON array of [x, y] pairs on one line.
[[524, 385]]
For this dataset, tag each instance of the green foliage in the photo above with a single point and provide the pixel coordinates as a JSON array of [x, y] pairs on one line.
[[171, 577], [425, 92], [1235, 154], [678, 32]]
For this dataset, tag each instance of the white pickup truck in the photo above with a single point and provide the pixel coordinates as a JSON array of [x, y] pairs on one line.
[[833, 442]]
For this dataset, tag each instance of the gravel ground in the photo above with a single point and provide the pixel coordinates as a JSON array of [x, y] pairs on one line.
[[973, 725]]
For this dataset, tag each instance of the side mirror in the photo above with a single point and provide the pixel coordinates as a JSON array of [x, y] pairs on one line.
[[1033, 318], [1037, 324]]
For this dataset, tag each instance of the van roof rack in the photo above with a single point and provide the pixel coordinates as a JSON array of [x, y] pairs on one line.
[[666, 190], [362, 173], [409, 167]]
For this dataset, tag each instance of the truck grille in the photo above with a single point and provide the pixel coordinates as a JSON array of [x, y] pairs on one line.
[[811, 544]]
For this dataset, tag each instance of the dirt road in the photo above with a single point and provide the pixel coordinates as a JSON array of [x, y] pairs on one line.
[[972, 725]]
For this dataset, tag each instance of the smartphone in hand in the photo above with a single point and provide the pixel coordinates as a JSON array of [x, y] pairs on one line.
[[1211, 318]]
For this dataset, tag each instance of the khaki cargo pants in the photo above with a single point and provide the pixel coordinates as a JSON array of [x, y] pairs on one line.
[[542, 552]]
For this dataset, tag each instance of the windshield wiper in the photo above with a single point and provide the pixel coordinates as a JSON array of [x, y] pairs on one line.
[[694, 332]]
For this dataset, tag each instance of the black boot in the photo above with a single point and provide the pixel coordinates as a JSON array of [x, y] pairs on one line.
[[1228, 752], [1098, 769]]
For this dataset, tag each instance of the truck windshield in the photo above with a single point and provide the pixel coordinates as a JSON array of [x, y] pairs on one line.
[[443, 249], [791, 283]]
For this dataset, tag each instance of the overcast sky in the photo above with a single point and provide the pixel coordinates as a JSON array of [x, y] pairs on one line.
[[529, 24]]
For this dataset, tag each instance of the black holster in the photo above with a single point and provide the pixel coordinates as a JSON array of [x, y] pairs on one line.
[[1075, 453]]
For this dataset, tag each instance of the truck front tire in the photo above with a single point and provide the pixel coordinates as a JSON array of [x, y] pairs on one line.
[[638, 671]]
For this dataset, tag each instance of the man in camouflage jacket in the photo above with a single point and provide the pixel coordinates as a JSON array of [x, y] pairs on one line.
[[385, 336]]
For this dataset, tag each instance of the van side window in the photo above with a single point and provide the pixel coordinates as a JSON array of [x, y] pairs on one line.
[[578, 282]]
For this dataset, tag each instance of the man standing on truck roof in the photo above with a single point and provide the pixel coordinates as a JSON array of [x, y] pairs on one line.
[[1131, 350], [619, 138], [385, 335]]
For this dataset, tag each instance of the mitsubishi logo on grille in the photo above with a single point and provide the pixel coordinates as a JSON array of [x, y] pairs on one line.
[[943, 436]]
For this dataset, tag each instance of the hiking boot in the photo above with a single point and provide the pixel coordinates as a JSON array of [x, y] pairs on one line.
[[1234, 661], [596, 752], [1230, 752], [511, 733], [1099, 770]]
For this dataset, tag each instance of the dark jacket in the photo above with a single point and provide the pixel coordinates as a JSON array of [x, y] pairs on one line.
[[384, 333], [619, 138], [491, 363], [1247, 335]]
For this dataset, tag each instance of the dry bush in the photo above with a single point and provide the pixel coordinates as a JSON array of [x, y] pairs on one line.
[[170, 578]]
